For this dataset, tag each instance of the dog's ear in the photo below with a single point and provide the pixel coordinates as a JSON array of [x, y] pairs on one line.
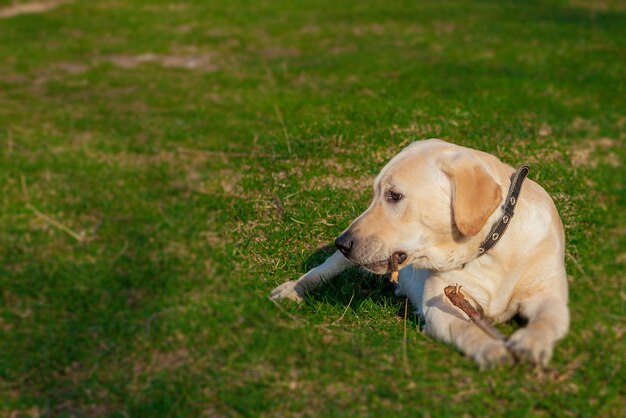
[[475, 194]]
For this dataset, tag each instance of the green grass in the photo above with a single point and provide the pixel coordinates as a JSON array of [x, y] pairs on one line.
[[139, 238]]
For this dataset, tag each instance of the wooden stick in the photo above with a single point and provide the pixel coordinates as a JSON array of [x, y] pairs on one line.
[[393, 266], [456, 297]]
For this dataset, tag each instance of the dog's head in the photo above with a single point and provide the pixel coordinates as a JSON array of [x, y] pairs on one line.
[[430, 202]]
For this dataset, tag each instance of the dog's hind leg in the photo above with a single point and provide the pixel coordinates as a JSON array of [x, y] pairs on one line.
[[296, 289]]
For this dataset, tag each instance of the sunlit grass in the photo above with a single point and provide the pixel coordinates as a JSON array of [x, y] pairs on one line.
[[143, 148]]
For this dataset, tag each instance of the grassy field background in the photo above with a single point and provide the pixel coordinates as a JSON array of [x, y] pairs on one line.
[[143, 148]]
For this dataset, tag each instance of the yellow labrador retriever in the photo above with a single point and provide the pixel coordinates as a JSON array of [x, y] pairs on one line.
[[440, 209]]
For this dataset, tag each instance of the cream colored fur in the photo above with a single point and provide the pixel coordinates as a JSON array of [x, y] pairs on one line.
[[452, 195]]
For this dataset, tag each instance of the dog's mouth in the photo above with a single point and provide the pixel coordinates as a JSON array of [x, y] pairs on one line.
[[385, 266], [380, 267]]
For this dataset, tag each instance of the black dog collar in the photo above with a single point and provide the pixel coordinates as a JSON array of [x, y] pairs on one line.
[[509, 209]]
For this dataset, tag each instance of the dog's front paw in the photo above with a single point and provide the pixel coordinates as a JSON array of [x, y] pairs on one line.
[[532, 345], [493, 354], [289, 290]]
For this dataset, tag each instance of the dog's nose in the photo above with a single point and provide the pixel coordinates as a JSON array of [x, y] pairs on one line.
[[400, 256], [344, 243]]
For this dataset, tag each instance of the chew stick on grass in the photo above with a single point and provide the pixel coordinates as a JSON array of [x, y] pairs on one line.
[[456, 297], [393, 266]]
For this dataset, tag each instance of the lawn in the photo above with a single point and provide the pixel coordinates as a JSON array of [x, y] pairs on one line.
[[165, 164]]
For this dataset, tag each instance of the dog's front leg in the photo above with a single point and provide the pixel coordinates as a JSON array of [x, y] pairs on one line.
[[296, 289], [446, 322], [548, 321]]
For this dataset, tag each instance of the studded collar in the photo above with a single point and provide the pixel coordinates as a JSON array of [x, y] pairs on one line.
[[497, 230]]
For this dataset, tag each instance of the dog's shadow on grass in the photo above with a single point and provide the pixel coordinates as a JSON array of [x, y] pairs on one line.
[[355, 286]]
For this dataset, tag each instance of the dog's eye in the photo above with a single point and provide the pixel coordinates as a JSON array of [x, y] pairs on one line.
[[393, 197]]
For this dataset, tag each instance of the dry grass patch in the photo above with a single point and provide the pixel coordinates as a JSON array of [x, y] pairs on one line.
[[73, 67], [18, 9], [549, 152], [593, 152], [349, 183], [599, 5], [584, 125], [280, 52], [189, 169], [200, 62]]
